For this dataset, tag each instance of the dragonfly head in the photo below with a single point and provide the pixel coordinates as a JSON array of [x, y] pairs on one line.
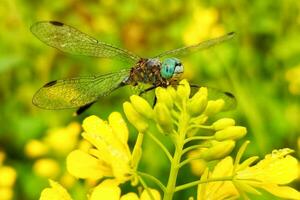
[[171, 67]]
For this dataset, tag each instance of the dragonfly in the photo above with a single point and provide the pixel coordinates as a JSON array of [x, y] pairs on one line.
[[162, 70]]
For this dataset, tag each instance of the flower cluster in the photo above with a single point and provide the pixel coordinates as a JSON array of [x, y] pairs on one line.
[[56, 144], [276, 169], [197, 141], [109, 155]]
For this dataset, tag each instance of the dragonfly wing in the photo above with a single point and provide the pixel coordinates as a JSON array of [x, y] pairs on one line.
[[77, 92], [198, 47], [214, 94], [71, 40]]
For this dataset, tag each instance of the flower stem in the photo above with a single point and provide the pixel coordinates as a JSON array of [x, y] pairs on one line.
[[194, 183], [165, 150], [179, 143], [198, 138], [146, 188], [154, 179]]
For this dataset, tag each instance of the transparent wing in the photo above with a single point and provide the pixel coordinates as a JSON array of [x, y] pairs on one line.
[[71, 40], [198, 47], [214, 94], [77, 92]]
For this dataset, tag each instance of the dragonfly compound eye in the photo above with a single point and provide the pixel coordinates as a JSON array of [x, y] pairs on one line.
[[169, 67]]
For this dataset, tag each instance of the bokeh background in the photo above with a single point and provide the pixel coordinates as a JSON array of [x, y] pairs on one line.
[[260, 66]]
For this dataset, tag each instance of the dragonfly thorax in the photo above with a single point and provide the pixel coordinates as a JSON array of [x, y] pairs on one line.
[[153, 71]]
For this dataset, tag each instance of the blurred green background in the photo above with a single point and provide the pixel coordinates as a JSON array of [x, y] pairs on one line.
[[261, 67]]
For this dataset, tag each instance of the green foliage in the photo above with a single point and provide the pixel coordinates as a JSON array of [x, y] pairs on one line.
[[252, 66]]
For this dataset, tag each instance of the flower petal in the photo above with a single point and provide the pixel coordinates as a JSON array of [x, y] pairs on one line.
[[146, 196], [284, 192], [130, 196], [56, 192], [107, 190], [118, 126], [82, 165]]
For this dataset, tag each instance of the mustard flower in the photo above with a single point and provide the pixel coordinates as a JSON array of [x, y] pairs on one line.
[[110, 155], [108, 190], [231, 180]]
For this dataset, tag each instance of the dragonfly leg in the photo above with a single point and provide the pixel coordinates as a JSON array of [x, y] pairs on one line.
[[154, 101], [83, 108], [147, 90]]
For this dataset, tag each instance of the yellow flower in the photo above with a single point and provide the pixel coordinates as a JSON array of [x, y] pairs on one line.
[[8, 177], [36, 148], [46, 167], [109, 190], [56, 192], [204, 23], [270, 174], [63, 140], [218, 190], [109, 157]]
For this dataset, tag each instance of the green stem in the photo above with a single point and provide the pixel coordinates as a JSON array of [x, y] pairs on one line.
[[154, 179], [146, 187], [186, 161], [195, 147], [137, 151], [194, 183], [198, 138], [165, 150], [179, 143]]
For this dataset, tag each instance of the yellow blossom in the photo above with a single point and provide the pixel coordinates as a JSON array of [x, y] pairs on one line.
[[36, 148], [55, 192], [46, 167], [109, 157], [109, 190], [270, 174], [8, 177], [63, 140], [203, 24]]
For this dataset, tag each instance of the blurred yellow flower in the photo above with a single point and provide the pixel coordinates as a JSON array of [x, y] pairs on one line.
[[46, 167], [8, 177], [59, 141], [276, 169], [109, 157], [63, 140], [203, 24], [293, 77], [36, 148], [56, 192]]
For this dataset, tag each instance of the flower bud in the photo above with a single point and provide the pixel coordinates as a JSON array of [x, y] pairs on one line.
[[231, 133], [214, 106], [141, 106], [223, 123], [163, 117], [135, 118], [198, 102], [218, 150], [183, 90], [164, 97]]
